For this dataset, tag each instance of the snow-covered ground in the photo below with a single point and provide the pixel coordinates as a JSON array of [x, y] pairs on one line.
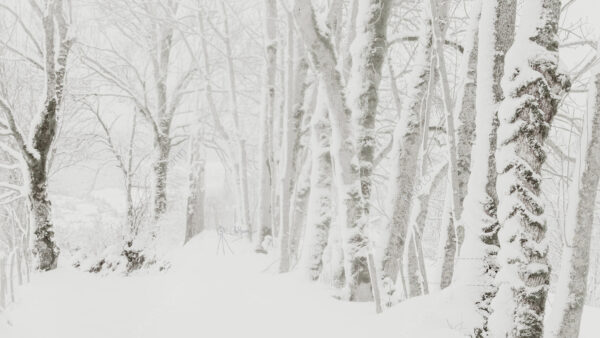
[[220, 295]]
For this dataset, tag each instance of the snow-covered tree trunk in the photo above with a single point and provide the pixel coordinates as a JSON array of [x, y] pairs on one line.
[[346, 173], [496, 32], [162, 139], [320, 205], [297, 86], [128, 172], [345, 56], [464, 116], [265, 164], [532, 85], [405, 153], [44, 134], [162, 148], [368, 54], [195, 203], [572, 288], [416, 273], [453, 206], [36, 151], [298, 209], [447, 249], [464, 109]]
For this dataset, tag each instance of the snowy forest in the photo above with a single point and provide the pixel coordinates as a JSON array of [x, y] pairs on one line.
[[299, 168]]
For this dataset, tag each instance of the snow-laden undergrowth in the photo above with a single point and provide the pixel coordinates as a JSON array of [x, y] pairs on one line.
[[211, 294]]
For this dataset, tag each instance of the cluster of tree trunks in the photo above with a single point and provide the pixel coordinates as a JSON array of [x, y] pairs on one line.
[[315, 193]]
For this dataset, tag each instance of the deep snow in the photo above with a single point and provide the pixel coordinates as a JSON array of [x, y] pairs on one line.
[[221, 295]]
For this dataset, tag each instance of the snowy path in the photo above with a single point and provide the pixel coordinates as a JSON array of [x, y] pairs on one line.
[[212, 296]]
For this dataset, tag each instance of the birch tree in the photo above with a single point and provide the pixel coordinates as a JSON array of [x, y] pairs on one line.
[[298, 208], [292, 121], [532, 85], [405, 151], [320, 207], [195, 203], [320, 211], [347, 176], [572, 284], [416, 271], [463, 115], [368, 54], [496, 33], [266, 165], [35, 152]]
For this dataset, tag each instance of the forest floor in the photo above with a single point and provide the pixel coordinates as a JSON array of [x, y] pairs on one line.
[[220, 295]]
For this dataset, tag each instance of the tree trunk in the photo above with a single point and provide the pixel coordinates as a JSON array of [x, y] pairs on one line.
[[298, 211], [455, 193], [195, 202], [44, 247], [292, 123], [162, 130], [417, 276], [265, 208], [36, 152], [245, 194], [335, 263], [533, 87], [372, 19], [368, 54], [345, 59], [447, 250], [319, 206], [572, 284], [162, 148], [496, 31], [405, 153], [464, 115]]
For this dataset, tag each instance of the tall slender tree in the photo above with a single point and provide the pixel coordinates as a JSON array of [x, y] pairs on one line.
[[464, 119], [266, 165], [496, 34], [297, 71], [407, 139], [573, 276]]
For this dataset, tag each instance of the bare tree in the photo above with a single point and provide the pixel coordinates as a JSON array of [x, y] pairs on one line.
[[35, 152], [572, 284], [408, 134], [154, 99], [266, 164]]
